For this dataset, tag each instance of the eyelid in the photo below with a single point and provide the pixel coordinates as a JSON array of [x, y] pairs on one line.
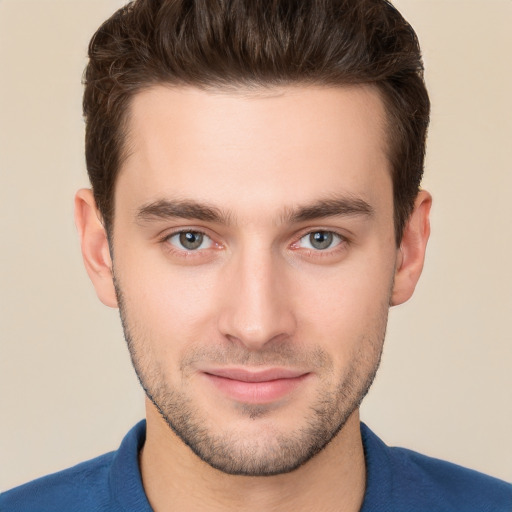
[[336, 240], [164, 237], [168, 233], [205, 238], [308, 231], [344, 240]]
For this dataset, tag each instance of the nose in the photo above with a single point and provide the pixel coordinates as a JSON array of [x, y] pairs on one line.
[[255, 305]]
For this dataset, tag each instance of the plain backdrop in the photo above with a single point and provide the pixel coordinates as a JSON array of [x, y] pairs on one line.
[[67, 388]]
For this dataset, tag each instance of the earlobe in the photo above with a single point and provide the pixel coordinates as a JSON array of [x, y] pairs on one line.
[[95, 247], [411, 254]]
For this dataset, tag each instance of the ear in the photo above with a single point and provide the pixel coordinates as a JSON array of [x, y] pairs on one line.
[[95, 248], [411, 253]]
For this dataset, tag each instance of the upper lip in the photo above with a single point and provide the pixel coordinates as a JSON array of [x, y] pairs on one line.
[[256, 375]]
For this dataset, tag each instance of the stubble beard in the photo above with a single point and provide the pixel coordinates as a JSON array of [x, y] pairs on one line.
[[275, 452]]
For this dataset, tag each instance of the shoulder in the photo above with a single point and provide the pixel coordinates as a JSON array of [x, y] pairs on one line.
[[449, 485], [82, 487], [111, 482], [405, 480]]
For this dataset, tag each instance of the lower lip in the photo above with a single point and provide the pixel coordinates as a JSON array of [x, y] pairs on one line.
[[256, 392]]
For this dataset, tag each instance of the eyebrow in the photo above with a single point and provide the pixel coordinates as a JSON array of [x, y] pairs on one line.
[[165, 209], [330, 207], [183, 209]]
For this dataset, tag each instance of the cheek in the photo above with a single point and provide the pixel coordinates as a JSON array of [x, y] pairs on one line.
[[170, 308], [340, 307]]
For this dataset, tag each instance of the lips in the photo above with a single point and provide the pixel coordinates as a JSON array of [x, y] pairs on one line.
[[255, 386]]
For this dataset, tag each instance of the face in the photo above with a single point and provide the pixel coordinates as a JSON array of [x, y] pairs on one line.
[[254, 260]]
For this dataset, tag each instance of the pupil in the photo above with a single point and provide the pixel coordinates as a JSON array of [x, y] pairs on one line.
[[191, 239], [321, 239]]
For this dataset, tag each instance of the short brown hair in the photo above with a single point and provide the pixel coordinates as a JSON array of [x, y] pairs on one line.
[[251, 43]]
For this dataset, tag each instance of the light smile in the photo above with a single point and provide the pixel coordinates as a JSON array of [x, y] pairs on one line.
[[257, 387]]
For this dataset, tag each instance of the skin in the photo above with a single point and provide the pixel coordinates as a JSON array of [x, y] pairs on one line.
[[257, 173]]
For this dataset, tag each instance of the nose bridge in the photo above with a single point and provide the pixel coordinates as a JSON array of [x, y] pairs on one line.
[[256, 310]]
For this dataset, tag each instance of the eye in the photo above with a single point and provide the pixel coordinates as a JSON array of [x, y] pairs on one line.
[[320, 240], [190, 240]]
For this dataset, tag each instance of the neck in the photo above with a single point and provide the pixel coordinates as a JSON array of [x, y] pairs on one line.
[[174, 478]]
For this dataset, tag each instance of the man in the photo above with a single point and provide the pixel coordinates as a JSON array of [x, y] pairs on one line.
[[255, 211]]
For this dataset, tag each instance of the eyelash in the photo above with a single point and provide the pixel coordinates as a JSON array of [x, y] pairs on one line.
[[184, 253], [327, 254]]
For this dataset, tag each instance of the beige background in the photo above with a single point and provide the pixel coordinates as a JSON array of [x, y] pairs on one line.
[[67, 388]]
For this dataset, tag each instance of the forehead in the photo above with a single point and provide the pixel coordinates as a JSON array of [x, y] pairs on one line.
[[259, 150]]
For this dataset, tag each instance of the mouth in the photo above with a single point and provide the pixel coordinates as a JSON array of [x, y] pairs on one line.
[[255, 386]]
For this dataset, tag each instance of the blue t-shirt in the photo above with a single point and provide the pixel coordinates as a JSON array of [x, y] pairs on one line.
[[398, 480]]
